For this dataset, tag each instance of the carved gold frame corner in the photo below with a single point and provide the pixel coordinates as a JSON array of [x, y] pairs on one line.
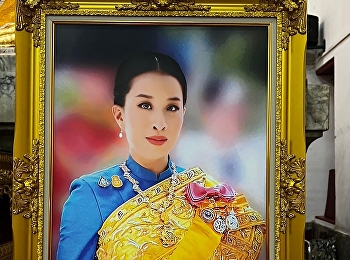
[[29, 14], [293, 16]]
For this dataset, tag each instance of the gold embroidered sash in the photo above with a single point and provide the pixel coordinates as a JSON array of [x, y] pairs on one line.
[[136, 231]]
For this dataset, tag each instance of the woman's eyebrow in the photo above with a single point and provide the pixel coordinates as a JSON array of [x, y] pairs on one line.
[[150, 97], [174, 99], [144, 96]]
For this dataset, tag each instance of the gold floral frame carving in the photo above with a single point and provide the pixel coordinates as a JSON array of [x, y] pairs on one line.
[[288, 186], [159, 5], [26, 186], [292, 185], [293, 12]]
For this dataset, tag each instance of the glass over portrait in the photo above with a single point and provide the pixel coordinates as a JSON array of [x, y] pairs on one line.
[[159, 142]]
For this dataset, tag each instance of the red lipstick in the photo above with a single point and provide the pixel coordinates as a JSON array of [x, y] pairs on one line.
[[157, 139]]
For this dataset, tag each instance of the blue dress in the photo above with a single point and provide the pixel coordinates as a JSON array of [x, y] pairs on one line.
[[92, 199]]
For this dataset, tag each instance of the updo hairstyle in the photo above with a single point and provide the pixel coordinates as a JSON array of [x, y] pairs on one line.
[[143, 62]]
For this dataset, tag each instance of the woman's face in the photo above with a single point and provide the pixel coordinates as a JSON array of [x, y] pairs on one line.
[[152, 116]]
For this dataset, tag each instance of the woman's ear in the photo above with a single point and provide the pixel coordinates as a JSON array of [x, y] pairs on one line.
[[118, 114], [184, 110]]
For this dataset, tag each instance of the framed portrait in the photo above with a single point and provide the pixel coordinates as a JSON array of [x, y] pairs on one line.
[[244, 122]]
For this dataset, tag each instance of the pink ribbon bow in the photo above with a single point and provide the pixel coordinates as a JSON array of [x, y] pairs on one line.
[[196, 193]]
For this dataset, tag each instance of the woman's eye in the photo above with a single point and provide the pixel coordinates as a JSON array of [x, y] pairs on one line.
[[145, 106], [173, 108]]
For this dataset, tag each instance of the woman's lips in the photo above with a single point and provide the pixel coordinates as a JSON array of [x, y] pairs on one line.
[[157, 140]]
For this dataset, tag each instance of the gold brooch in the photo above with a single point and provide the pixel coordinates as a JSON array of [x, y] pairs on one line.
[[116, 181]]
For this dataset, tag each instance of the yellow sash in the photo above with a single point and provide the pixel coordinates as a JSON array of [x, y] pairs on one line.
[[135, 231]]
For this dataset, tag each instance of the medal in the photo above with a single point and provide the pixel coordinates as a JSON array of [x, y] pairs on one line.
[[207, 215], [232, 221], [103, 182], [219, 225], [116, 181]]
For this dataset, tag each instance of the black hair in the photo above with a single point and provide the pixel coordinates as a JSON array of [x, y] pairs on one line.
[[143, 62]]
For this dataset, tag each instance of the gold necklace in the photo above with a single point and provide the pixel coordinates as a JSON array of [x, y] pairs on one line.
[[166, 232]]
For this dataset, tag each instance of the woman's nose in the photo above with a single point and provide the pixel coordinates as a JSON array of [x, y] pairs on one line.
[[158, 128], [159, 122]]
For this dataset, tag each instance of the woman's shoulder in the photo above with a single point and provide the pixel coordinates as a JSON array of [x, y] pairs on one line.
[[104, 187], [101, 178]]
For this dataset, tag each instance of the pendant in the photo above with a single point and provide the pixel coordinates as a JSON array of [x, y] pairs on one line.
[[219, 225], [232, 221], [116, 181]]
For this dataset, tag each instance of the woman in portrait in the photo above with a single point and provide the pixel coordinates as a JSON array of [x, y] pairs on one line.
[[148, 207]]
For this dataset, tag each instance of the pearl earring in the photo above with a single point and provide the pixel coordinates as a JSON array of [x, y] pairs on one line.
[[121, 134]]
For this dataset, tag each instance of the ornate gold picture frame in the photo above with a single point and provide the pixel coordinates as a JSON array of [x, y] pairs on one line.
[[268, 38]]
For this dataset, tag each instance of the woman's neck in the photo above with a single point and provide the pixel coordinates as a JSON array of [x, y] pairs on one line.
[[155, 165]]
